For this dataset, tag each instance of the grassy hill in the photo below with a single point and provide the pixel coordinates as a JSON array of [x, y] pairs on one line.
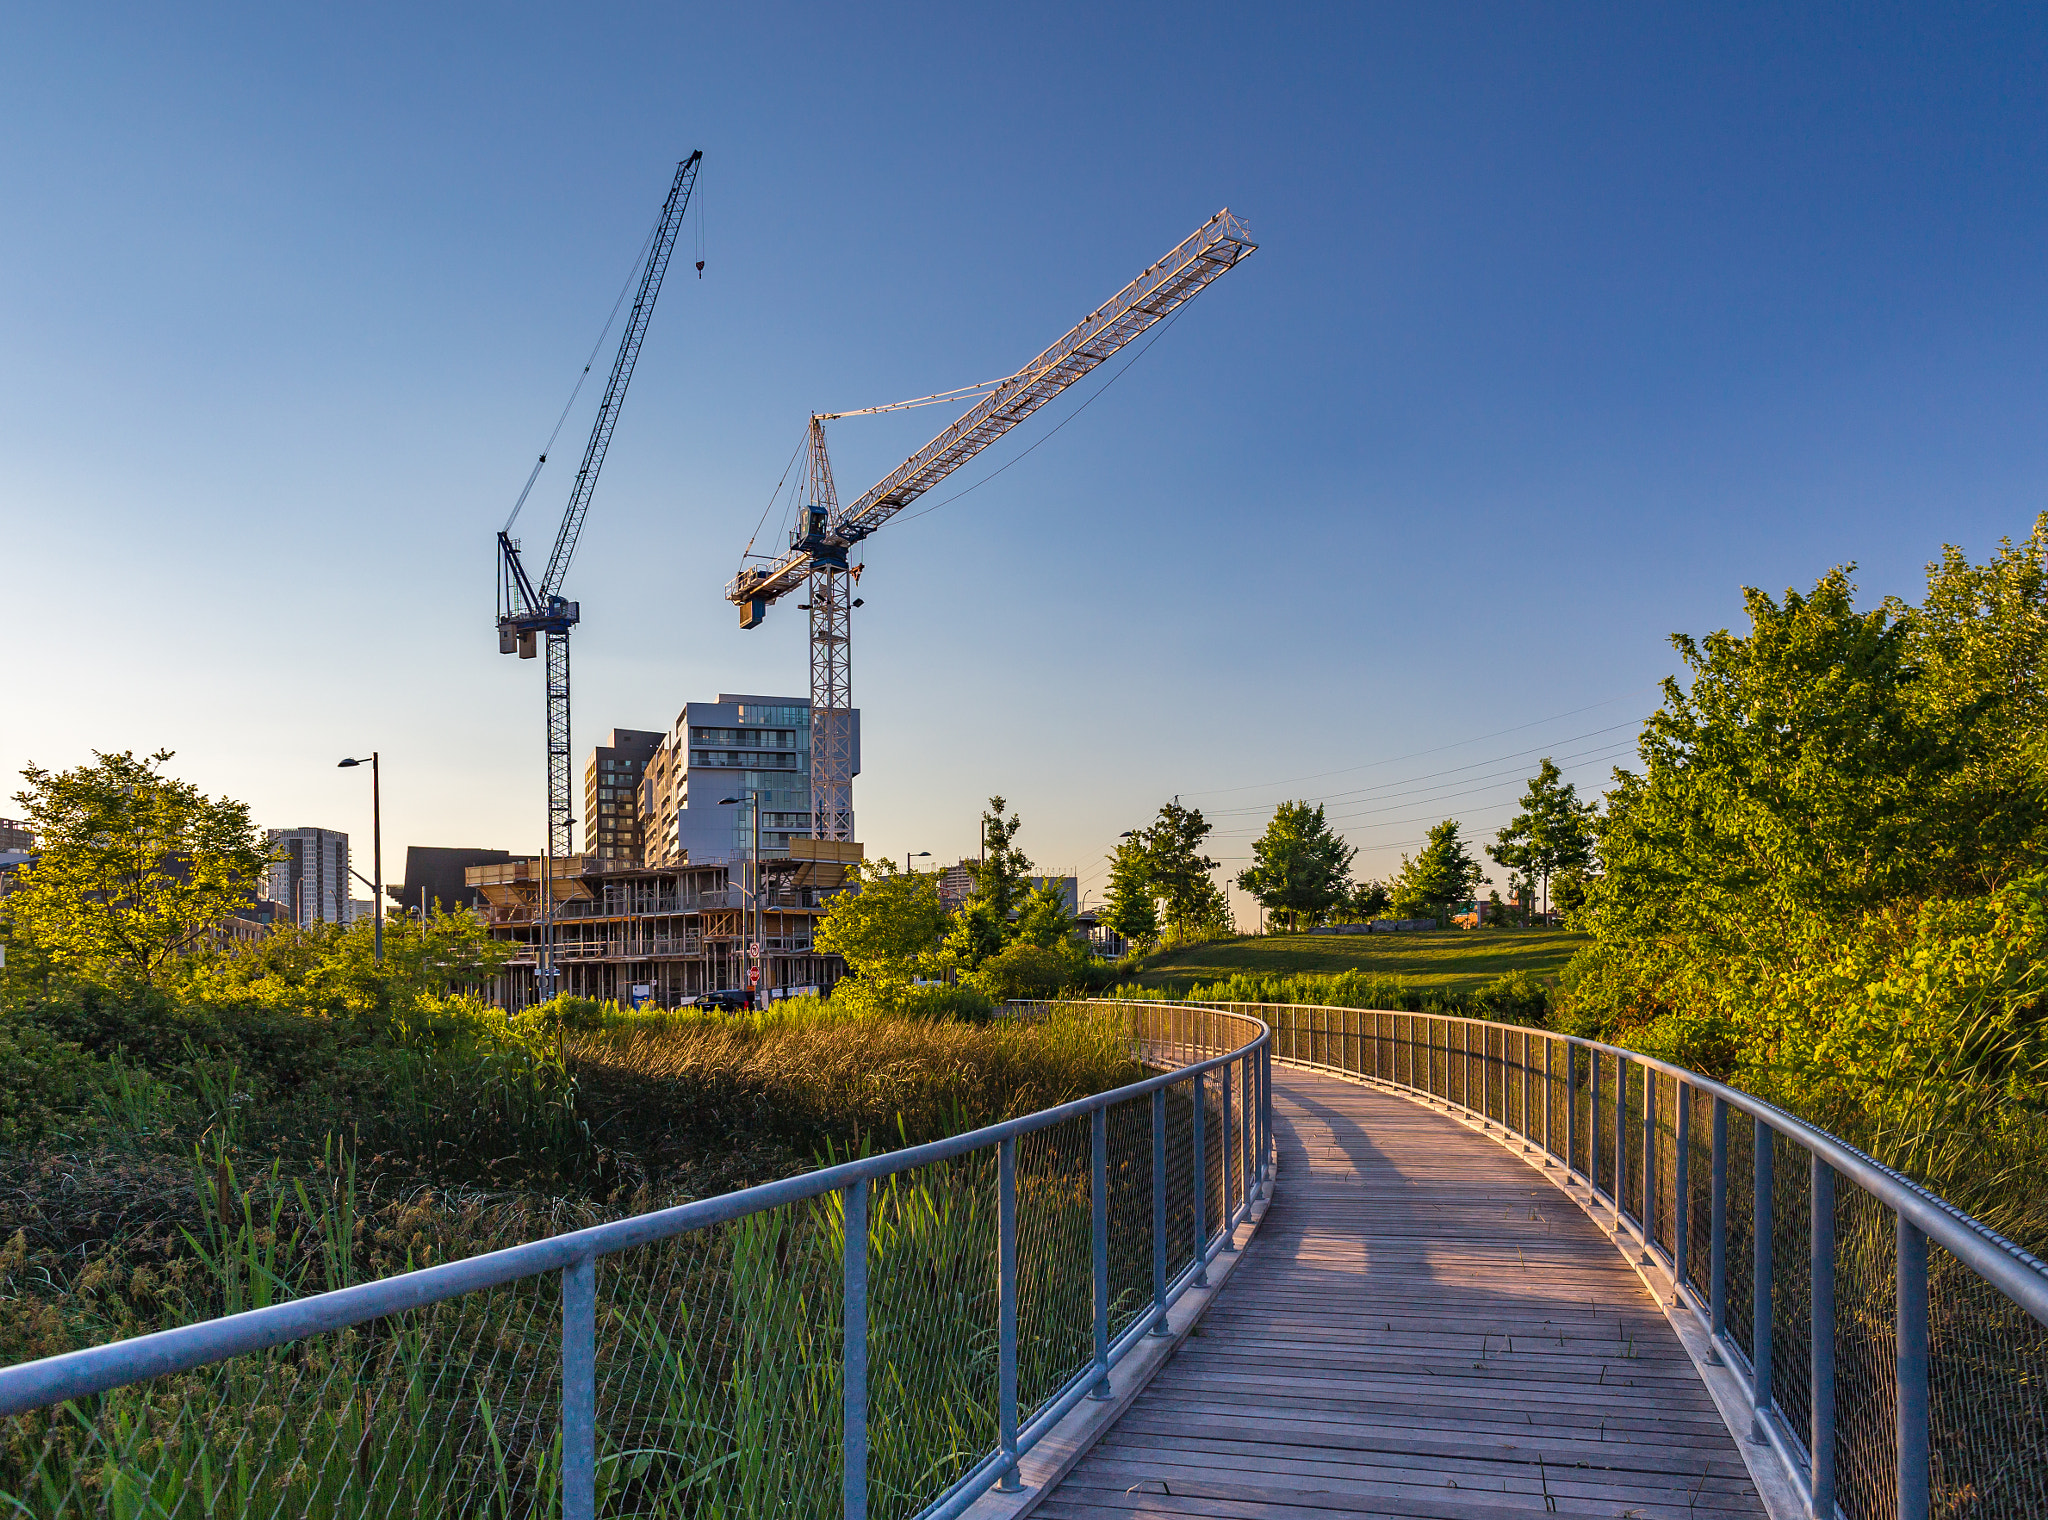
[[1456, 960]]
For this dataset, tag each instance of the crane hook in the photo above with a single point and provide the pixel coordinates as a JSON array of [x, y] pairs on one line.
[[700, 269]]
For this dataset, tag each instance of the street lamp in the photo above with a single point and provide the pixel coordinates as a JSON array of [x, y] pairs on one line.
[[752, 800], [908, 858], [376, 846]]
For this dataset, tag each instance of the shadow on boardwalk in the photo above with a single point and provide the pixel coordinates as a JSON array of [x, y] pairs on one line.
[[1422, 1327]]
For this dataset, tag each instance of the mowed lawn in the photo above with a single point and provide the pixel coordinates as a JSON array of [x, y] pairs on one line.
[[1457, 960]]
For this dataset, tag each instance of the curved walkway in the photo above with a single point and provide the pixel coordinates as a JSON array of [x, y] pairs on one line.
[[1422, 1326]]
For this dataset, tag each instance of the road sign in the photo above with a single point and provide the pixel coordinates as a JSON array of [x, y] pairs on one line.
[[754, 951]]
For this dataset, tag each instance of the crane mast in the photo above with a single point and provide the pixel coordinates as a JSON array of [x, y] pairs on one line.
[[817, 556], [526, 610]]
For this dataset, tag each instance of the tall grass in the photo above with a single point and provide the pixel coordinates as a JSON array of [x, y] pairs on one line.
[[811, 1074], [719, 1352], [719, 1362]]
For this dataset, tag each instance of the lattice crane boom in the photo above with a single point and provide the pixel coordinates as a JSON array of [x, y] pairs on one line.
[[817, 555], [526, 609], [1210, 251]]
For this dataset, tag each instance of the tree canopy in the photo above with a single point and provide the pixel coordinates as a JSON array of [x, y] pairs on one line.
[[1442, 874], [1299, 866], [1180, 871], [134, 869], [1553, 833], [1000, 871], [1130, 903], [889, 930]]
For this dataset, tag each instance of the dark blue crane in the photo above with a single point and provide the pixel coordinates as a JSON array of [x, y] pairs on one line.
[[526, 609]]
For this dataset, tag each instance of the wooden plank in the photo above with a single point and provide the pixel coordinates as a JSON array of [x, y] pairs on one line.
[[1418, 1329]]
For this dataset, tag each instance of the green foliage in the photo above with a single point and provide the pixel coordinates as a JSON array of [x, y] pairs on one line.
[[1043, 919], [889, 927], [135, 870], [1030, 971], [1513, 997], [1300, 866], [1369, 900], [1442, 874], [1000, 871], [977, 933], [1551, 836], [1824, 882], [43, 1080], [1131, 906], [1180, 871]]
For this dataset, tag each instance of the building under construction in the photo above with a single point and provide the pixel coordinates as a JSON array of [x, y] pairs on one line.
[[660, 908], [664, 935]]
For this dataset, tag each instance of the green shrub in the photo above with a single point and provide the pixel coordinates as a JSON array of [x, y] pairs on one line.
[[1514, 997], [43, 1080]]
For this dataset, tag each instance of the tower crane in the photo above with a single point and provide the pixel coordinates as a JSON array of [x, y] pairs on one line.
[[529, 609], [825, 532]]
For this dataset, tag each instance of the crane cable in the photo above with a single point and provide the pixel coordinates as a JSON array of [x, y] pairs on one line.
[[638, 260]]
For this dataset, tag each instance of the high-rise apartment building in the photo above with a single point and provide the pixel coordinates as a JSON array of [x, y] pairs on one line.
[[310, 877], [612, 779], [750, 747]]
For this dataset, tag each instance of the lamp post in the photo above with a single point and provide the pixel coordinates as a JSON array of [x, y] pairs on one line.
[[376, 846], [908, 858], [752, 799]]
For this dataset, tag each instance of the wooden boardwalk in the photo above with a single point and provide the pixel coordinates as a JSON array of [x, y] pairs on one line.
[[1422, 1326]]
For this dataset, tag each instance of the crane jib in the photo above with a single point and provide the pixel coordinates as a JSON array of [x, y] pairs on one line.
[[1218, 245]]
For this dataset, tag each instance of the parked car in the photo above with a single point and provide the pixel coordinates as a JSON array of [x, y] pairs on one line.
[[732, 999]]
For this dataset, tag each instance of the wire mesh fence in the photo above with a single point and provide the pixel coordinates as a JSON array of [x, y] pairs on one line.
[[1894, 1352], [885, 1337]]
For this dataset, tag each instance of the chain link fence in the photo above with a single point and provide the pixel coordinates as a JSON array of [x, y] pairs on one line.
[[885, 1337]]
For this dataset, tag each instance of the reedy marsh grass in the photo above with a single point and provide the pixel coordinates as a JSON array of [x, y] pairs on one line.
[[718, 1351]]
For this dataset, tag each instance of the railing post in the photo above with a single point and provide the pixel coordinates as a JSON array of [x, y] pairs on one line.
[[1681, 1193], [1911, 1329], [1717, 1236], [1765, 1144], [1007, 1481], [1593, 1125], [1159, 1326], [1620, 1139], [1571, 1108], [1651, 1169], [1549, 1081], [1229, 1220], [1098, 1232], [1821, 1435], [1465, 1074], [1528, 1127], [579, 1389], [1201, 1180], [853, 1440], [1266, 1117]]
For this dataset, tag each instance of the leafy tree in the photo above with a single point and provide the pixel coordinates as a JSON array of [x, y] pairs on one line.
[[1442, 874], [136, 870], [999, 874], [889, 930], [1131, 906], [1369, 900], [1299, 866], [975, 935], [1043, 920], [1553, 832], [1180, 871]]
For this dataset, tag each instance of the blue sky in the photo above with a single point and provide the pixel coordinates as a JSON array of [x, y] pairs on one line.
[[1565, 325]]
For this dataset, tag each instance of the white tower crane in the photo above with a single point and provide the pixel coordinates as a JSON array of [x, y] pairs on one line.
[[818, 546]]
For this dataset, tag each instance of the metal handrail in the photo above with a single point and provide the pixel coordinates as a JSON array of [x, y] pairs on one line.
[[1920, 1215], [80, 1374]]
